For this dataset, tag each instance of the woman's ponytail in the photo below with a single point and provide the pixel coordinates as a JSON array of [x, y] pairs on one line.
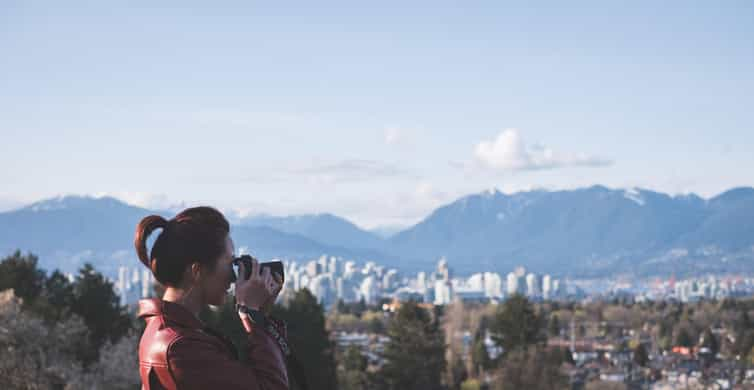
[[143, 230]]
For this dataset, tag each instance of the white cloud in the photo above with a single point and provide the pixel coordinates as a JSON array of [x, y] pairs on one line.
[[509, 152], [403, 135], [151, 201], [393, 135]]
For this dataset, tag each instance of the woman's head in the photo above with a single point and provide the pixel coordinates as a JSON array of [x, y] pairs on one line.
[[194, 250]]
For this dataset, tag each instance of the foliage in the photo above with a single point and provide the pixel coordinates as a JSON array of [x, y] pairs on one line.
[[414, 356], [532, 368], [516, 325], [309, 338]]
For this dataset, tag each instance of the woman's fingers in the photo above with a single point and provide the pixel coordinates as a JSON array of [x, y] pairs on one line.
[[266, 277], [240, 278], [254, 269]]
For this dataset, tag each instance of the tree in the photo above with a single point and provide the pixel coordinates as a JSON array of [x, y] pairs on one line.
[[744, 333], [531, 368], [516, 325], [567, 356], [20, 273], [354, 360], [709, 341], [116, 368], [453, 324], [582, 330], [553, 326], [415, 354], [57, 298], [309, 339], [641, 357], [683, 338], [43, 355], [37, 355], [96, 302], [352, 373], [479, 355]]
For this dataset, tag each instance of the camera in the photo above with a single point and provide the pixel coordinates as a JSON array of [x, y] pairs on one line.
[[276, 268]]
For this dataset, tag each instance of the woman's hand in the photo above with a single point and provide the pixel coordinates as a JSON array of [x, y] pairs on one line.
[[267, 306], [258, 289]]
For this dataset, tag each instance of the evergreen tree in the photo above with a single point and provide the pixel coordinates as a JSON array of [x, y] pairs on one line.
[[516, 325], [479, 355], [641, 357], [57, 298], [352, 373], [744, 333], [340, 307], [309, 339], [683, 338], [553, 326], [96, 302], [415, 354], [531, 368], [20, 273], [709, 341]]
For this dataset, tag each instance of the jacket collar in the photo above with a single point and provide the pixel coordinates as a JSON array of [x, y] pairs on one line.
[[172, 311]]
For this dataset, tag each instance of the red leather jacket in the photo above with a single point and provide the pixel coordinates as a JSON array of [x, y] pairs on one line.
[[177, 352]]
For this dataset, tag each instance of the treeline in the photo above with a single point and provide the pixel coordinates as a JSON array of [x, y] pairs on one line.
[[61, 334], [424, 351], [58, 334], [724, 326], [519, 344]]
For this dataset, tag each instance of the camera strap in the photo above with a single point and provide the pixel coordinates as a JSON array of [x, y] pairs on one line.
[[276, 328]]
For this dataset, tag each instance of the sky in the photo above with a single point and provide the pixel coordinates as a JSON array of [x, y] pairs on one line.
[[378, 112]]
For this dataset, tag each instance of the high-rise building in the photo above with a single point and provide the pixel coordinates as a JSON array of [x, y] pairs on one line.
[[146, 283], [493, 285], [443, 270], [369, 290], [321, 287], [512, 283], [546, 286], [421, 281], [389, 279], [312, 268], [443, 292], [121, 286]]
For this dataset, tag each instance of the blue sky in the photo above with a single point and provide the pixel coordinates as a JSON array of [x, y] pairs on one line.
[[376, 112]]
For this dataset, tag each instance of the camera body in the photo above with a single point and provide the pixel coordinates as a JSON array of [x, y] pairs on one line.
[[277, 270]]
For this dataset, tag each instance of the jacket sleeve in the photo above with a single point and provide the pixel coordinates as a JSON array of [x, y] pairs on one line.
[[200, 364]]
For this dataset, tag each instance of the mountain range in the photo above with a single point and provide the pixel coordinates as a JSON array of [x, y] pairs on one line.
[[588, 232]]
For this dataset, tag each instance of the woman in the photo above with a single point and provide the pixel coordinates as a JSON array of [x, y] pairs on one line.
[[192, 257]]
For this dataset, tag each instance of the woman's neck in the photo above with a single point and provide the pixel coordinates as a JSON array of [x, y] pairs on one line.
[[183, 297]]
